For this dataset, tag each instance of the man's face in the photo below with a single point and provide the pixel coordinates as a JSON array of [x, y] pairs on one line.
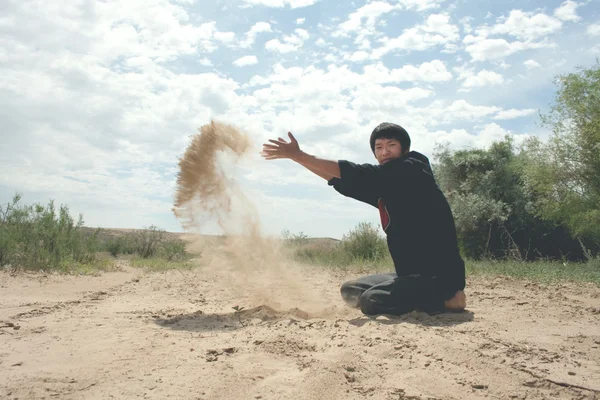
[[387, 149]]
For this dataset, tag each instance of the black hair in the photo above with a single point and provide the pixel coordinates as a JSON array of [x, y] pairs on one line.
[[388, 130]]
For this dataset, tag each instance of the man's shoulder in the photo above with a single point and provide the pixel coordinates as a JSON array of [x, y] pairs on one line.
[[417, 158], [410, 160]]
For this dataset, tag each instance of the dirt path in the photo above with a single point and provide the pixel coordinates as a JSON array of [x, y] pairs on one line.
[[175, 335]]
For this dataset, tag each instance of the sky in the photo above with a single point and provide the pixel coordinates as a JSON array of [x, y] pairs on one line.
[[99, 99]]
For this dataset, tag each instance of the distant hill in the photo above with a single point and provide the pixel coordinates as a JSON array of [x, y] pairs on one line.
[[107, 233]]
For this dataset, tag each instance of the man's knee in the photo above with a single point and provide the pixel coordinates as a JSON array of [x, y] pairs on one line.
[[350, 293]]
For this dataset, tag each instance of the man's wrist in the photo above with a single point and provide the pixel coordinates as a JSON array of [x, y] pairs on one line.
[[299, 157]]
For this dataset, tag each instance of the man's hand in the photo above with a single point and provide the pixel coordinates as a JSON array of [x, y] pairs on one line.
[[282, 149], [326, 169]]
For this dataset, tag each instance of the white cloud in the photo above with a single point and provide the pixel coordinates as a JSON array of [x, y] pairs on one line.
[[432, 71], [246, 60], [302, 33], [369, 13], [364, 45], [462, 139], [530, 64], [483, 49], [567, 11], [461, 110], [357, 56], [344, 79], [289, 43], [593, 30], [375, 98], [527, 27], [300, 21], [450, 48], [420, 5], [524, 25], [205, 62], [259, 27], [157, 30], [502, 64], [440, 112], [466, 23], [437, 30], [481, 79], [225, 37], [281, 3], [514, 113]]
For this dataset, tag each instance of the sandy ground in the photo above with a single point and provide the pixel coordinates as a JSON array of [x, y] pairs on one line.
[[131, 334]]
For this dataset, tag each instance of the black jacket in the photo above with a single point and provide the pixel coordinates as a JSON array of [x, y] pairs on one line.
[[415, 215]]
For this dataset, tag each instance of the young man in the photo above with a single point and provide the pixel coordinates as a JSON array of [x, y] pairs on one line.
[[415, 215]]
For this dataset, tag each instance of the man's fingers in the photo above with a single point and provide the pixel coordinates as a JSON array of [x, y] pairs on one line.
[[270, 147], [272, 151], [292, 138]]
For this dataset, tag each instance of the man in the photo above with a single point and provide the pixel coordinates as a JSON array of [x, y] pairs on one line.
[[415, 215]]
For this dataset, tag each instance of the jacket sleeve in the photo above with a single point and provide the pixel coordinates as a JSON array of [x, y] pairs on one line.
[[368, 182], [358, 181]]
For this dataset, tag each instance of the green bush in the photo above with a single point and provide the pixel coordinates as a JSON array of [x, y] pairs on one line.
[[294, 239], [365, 243], [173, 249], [362, 247], [147, 243], [322, 254], [40, 237], [118, 245]]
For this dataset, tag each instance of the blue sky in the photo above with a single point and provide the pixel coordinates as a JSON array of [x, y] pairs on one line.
[[98, 99]]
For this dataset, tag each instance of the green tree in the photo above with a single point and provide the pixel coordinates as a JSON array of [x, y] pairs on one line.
[[493, 209], [564, 172]]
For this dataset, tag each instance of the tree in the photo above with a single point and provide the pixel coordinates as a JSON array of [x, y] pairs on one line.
[[564, 172], [493, 210]]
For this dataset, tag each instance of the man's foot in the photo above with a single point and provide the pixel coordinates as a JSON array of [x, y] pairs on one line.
[[457, 303]]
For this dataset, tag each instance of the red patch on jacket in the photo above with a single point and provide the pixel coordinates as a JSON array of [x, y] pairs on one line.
[[383, 214]]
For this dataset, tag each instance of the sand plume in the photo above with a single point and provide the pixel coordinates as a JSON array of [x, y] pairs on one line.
[[247, 260]]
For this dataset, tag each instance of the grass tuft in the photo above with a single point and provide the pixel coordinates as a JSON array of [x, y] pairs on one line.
[[160, 264], [547, 272]]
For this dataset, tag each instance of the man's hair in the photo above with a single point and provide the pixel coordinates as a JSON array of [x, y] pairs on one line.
[[388, 130]]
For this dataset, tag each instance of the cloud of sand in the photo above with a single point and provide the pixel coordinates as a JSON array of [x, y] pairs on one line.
[[243, 257]]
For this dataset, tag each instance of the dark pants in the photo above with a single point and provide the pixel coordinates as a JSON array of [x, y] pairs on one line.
[[390, 294]]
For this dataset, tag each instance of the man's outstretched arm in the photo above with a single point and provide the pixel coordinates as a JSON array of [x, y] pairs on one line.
[[361, 187], [326, 169]]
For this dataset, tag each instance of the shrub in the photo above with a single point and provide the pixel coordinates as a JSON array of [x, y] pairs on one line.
[[294, 239], [148, 243], [365, 243], [363, 248], [38, 236], [173, 249]]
